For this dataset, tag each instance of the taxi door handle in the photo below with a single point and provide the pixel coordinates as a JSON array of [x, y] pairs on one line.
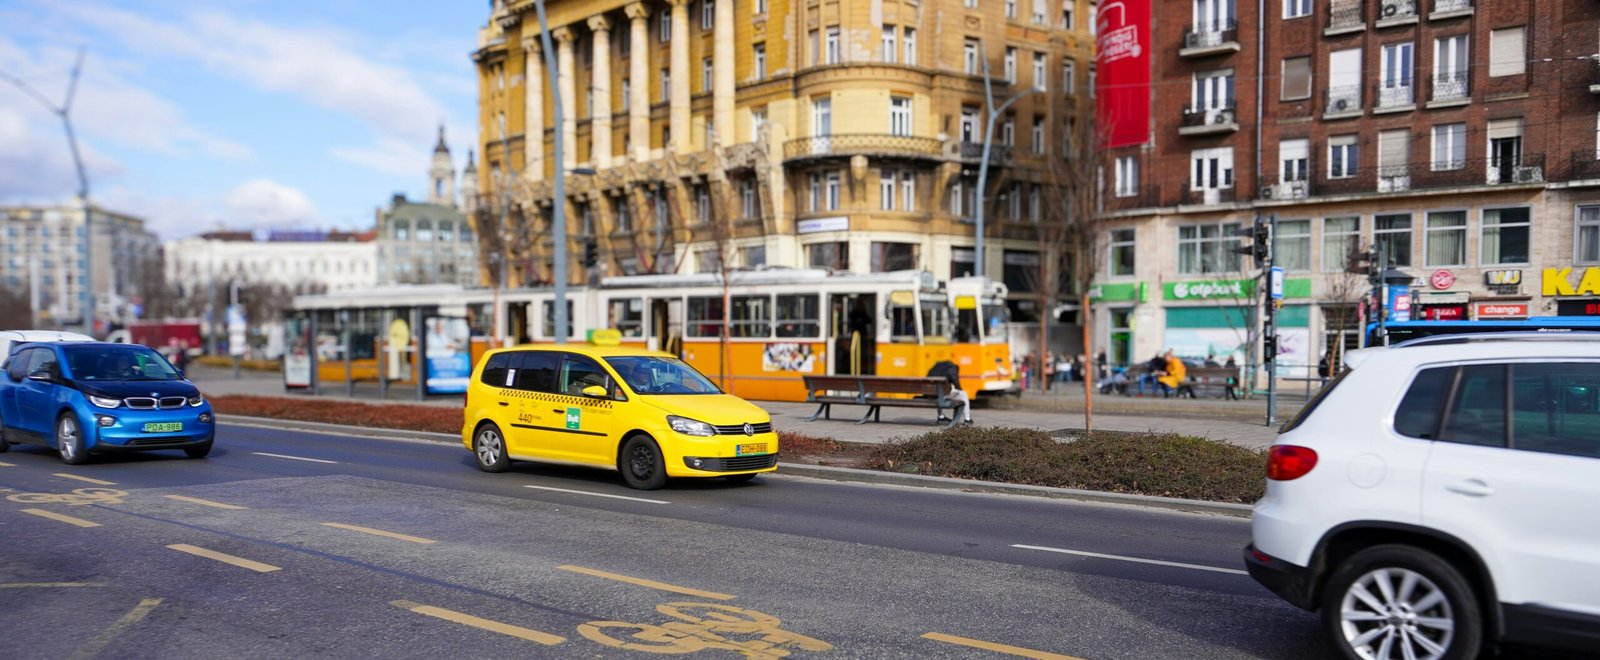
[[504, 403], [558, 411]]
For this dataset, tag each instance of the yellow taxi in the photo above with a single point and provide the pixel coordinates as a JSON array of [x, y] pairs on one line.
[[643, 413]]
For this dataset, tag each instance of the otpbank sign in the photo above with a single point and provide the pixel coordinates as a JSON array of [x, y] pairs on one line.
[[1572, 282]]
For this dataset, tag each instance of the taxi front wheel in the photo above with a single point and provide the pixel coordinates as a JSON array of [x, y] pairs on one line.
[[641, 464], [490, 448]]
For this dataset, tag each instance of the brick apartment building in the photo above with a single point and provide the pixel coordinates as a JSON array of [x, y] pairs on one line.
[[1457, 136]]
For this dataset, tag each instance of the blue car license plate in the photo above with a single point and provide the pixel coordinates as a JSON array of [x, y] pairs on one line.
[[163, 427]]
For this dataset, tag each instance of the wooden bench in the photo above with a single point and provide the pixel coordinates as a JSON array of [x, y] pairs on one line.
[[867, 390], [1219, 378]]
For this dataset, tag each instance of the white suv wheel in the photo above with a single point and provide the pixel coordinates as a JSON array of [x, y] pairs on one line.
[[1390, 609]]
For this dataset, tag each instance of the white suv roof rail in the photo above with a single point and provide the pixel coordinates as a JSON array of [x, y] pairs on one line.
[[1480, 337]]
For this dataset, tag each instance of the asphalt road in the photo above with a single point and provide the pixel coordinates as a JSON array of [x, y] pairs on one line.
[[290, 544]]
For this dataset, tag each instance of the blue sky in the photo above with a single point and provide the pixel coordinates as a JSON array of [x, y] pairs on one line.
[[238, 113]]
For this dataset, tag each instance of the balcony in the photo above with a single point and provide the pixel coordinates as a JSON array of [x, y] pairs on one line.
[[1286, 190], [972, 152], [1213, 38], [1136, 197], [1395, 96], [1396, 12], [1346, 16], [1343, 101], [1585, 164], [1443, 9], [1456, 173], [1208, 196], [1205, 121], [1451, 89], [861, 144]]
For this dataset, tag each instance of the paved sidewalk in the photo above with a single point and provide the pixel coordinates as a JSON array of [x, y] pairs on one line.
[[1241, 423]]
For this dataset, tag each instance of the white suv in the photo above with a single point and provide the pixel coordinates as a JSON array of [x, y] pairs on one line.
[[1443, 496]]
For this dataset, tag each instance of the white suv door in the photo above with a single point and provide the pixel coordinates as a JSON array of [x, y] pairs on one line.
[[1521, 489]]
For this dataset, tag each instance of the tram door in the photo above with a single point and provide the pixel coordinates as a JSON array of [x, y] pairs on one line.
[[852, 335], [666, 325], [517, 324]]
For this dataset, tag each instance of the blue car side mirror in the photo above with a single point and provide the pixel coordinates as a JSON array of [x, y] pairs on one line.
[[41, 375]]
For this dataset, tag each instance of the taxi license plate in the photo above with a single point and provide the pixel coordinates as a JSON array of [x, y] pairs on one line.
[[163, 427], [756, 448]]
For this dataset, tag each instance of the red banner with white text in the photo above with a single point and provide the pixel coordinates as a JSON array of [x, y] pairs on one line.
[[1122, 69]]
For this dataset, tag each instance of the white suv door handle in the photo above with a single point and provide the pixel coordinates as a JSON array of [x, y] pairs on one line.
[[1471, 488]]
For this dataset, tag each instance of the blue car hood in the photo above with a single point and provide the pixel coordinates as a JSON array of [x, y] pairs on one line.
[[122, 389]]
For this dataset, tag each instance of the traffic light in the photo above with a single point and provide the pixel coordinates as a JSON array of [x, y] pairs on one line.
[[1259, 248], [591, 254], [1269, 348]]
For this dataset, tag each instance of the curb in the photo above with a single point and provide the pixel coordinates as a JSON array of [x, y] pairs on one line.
[[813, 471]]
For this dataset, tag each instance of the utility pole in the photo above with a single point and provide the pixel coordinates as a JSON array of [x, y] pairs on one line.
[[1274, 297], [988, 141], [64, 111]]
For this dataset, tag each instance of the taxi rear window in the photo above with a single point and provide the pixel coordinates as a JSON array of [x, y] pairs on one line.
[[494, 371]]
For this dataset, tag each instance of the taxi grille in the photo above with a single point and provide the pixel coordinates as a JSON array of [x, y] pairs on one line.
[[734, 463], [738, 429]]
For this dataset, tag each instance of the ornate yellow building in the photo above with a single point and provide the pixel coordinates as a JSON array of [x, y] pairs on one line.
[[830, 133]]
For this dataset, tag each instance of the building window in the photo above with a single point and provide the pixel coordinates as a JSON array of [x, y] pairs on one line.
[[1589, 234], [758, 119], [908, 190], [1294, 158], [886, 189], [1505, 236], [708, 14], [1340, 238], [708, 261], [1450, 67], [1127, 183], [702, 203], [665, 31], [1035, 209], [1445, 240], [1011, 9], [1391, 234], [1212, 169], [666, 86], [969, 57], [1507, 52], [1342, 156], [832, 53], [1092, 90], [1038, 134], [1069, 76], [1394, 86], [747, 198], [1010, 65], [832, 196], [753, 256], [822, 117], [627, 93], [760, 62], [887, 257], [963, 261], [1038, 72], [816, 49], [1293, 245], [1449, 147], [761, 7], [706, 73], [816, 192], [1008, 130], [1039, 12], [1296, 8], [890, 49], [969, 4], [899, 115], [1296, 79], [834, 256], [624, 213], [1206, 249], [908, 45], [1123, 253]]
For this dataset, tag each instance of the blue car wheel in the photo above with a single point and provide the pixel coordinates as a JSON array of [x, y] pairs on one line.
[[69, 441]]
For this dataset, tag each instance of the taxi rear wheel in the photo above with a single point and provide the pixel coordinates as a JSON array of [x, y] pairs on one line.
[[490, 448], [641, 464]]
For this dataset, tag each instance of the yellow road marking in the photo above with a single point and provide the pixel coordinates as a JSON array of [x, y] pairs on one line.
[[61, 517], [998, 648], [379, 532], [241, 562], [104, 639], [482, 624], [648, 583], [97, 482], [196, 500], [50, 585]]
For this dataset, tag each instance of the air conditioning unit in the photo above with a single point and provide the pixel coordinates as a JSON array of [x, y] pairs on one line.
[[1341, 104], [1529, 174], [1223, 117], [1390, 9], [1269, 192]]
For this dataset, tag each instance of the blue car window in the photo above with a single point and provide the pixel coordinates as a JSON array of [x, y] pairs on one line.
[[43, 359], [118, 363], [18, 367]]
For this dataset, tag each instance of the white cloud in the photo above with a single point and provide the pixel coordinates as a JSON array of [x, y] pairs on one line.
[[264, 202], [388, 155], [169, 217], [36, 162]]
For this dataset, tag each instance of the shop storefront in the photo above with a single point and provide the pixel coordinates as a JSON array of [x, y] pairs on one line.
[[1576, 290], [1117, 300], [1215, 319]]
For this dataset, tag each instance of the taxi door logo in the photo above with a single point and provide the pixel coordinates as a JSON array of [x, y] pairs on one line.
[[573, 417]]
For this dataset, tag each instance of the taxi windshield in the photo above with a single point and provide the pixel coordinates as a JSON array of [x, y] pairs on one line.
[[661, 375], [123, 363]]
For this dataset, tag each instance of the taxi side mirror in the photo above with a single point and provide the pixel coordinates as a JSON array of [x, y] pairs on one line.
[[595, 391]]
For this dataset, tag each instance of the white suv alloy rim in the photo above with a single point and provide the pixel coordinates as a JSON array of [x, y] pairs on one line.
[[1396, 613]]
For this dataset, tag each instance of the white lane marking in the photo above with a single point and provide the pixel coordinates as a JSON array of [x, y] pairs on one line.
[[292, 458], [1157, 562], [615, 497]]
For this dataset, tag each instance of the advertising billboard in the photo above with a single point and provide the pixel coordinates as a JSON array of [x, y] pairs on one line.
[[1122, 65]]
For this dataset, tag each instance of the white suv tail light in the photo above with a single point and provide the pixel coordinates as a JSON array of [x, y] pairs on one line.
[[1290, 462]]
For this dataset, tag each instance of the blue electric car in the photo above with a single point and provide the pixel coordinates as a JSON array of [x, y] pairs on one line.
[[84, 398]]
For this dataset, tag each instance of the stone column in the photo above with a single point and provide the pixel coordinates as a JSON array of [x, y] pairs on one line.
[[600, 87], [569, 99], [722, 73], [533, 118], [639, 75], [679, 110]]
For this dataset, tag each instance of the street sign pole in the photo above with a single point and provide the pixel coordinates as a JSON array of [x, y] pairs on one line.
[[1274, 295]]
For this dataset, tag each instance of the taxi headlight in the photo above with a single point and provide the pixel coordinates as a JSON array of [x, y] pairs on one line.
[[688, 426], [196, 400], [104, 402]]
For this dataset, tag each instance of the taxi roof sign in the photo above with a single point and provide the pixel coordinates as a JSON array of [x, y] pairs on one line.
[[605, 337]]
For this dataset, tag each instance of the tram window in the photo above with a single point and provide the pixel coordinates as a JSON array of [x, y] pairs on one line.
[[966, 330], [705, 317], [935, 320], [798, 316], [480, 318], [752, 316], [995, 318], [550, 318], [902, 323], [627, 317]]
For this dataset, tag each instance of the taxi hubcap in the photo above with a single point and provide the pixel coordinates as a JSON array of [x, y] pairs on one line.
[[488, 447]]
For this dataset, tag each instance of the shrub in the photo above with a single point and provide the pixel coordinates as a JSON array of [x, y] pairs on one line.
[[437, 419], [800, 444], [1164, 464]]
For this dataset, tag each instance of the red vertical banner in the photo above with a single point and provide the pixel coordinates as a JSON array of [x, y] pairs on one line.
[[1122, 69]]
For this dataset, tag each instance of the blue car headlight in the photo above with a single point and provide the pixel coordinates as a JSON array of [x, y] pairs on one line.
[[104, 402], [196, 400], [688, 426]]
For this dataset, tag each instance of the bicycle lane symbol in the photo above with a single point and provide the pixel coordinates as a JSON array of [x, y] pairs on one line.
[[704, 626], [77, 497]]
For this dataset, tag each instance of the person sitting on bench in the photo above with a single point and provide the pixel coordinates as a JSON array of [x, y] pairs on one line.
[[949, 371]]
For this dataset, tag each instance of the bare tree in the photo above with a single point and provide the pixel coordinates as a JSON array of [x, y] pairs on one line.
[[1340, 301], [14, 304]]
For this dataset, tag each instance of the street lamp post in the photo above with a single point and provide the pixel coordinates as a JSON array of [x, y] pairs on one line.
[[560, 230], [988, 141], [64, 111], [505, 221]]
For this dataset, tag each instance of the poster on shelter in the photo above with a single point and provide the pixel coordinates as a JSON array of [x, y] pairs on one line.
[[448, 354]]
